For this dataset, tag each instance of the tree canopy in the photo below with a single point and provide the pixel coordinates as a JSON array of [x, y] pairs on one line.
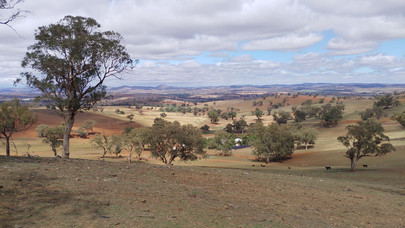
[[171, 140], [274, 142], [73, 59], [365, 139], [14, 117]]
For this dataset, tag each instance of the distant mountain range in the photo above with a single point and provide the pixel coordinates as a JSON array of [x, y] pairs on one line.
[[366, 89], [321, 88]]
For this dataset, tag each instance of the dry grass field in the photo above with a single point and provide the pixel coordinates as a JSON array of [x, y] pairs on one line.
[[234, 191]]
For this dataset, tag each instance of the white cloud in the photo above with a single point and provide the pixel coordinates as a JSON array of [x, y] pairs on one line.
[[161, 32], [340, 46], [285, 43]]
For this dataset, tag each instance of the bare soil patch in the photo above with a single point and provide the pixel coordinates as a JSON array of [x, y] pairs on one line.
[[105, 124]]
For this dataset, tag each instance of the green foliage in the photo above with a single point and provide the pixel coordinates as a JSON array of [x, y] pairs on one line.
[[130, 117], [281, 117], [101, 142], [88, 125], [205, 128], [307, 102], [375, 112], [223, 141], [135, 141], [330, 114], [365, 139], [73, 59], [401, 118], [237, 126], [116, 144], [304, 135], [170, 140], [213, 115], [14, 117], [299, 115], [41, 129], [82, 133], [258, 113], [53, 137], [386, 101], [274, 142]]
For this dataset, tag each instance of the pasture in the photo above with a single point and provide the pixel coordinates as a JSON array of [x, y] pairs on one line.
[[233, 191]]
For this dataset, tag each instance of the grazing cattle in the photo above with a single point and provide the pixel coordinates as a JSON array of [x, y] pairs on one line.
[[365, 166], [289, 167], [253, 165], [262, 165], [327, 167]]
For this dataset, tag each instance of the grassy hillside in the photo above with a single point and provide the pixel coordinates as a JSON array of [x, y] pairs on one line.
[[48, 192]]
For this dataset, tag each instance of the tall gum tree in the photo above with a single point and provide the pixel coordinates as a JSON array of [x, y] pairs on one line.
[[365, 139], [73, 59]]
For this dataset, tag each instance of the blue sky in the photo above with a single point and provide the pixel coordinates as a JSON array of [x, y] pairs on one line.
[[233, 42]]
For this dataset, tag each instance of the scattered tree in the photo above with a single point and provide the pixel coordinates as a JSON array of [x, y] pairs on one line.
[[281, 117], [170, 140], [401, 118], [101, 142], [205, 128], [330, 115], [130, 117], [271, 143], [73, 59], [365, 139], [386, 101], [14, 117], [54, 137], [304, 135], [41, 129], [375, 112], [223, 141], [258, 113], [213, 115]]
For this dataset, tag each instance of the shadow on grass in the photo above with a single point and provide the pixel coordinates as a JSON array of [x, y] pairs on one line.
[[29, 198]]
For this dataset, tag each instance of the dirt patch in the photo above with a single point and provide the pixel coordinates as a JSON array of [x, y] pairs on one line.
[[105, 124]]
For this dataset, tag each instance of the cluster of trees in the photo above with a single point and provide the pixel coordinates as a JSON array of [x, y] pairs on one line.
[[273, 142], [382, 103], [166, 141], [328, 114], [54, 135], [238, 126]]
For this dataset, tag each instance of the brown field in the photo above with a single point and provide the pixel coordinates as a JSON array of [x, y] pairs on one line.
[[232, 191]]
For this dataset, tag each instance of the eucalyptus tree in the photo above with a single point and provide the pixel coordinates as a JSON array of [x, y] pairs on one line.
[[171, 140], [72, 59], [14, 117], [365, 139]]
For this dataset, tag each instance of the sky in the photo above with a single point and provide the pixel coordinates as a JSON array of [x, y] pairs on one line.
[[192, 43]]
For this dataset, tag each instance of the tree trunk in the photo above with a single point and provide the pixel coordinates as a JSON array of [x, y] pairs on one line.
[[54, 151], [66, 135], [129, 156], [306, 146], [7, 146], [353, 164]]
